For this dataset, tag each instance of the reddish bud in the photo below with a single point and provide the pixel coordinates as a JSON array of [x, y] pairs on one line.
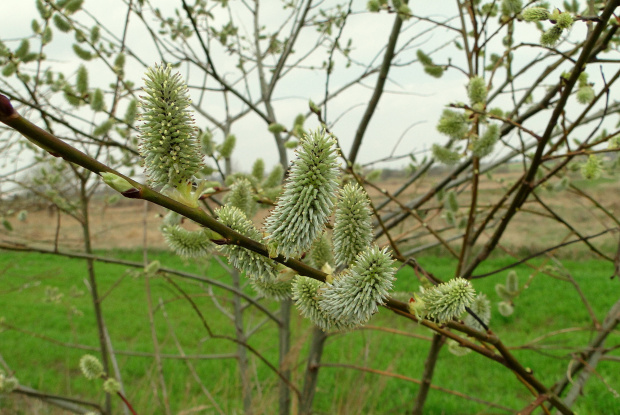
[[6, 109], [132, 193]]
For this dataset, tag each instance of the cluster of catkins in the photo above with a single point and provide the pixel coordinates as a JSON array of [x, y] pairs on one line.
[[458, 126], [295, 228]]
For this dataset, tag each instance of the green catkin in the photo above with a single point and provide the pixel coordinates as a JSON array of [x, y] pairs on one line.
[[103, 128], [512, 282], [565, 20], [276, 128], [373, 6], [254, 265], [448, 300], [22, 215], [168, 140], [36, 27], [91, 367], [503, 292], [353, 225], [279, 289], [453, 124], [451, 203], [23, 49], [306, 294], [321, 252], [551, 37], [241, 196], [481, 306], [306, 204], [132, 112], [484, 145], [172, 219], [119, 62], [7, 383], [430, 68], [299, 120], [591, 169], [81, 83], [510, 7], [258, 169], [227, 146], [74, 5], [477, 90], [82, 53], [9, 69], [206, 143], [111, 385], [445, 155], [535, 14], [188, 244], [585, 94], [424, 58], [434, 71], [43, 10], [450, 218], [61, 23], [374, 175], [95, 34], [275, 177], [456, 349], [354, 295], [97, 102], [505, 308], [47, 36]]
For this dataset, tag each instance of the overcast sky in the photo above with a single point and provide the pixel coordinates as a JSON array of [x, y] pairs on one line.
[[413, 98]]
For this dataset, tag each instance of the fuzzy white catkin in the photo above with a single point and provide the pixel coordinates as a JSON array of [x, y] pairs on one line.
[[241, 196], [253, 264], [448, 300], [7, 383], [168, 140], [354, 295], [353, 225], [481, 306], [276, 290], [91, 367], [321, 253], [308, 198], [306, 294], [484, 145], [477, 90], [188, 244]]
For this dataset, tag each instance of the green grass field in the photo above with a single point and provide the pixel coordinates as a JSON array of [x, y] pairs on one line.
[[44, 347]]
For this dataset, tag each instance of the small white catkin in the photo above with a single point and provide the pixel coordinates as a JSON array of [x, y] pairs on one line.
[[279, 289], [91, 367], [481, 306], [188, 244], [306, 294], [254, 265], [448, 300], [355, 295]]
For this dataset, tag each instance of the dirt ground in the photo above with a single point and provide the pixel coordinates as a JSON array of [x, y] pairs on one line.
[[128, 223]]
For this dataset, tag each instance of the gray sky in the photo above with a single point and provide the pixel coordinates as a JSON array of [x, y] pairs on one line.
[[413, 98]]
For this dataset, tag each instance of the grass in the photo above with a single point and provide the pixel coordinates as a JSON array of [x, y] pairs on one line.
[[548, 304]]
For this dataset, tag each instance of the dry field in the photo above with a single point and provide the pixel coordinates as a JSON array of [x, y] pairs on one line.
[[128, 223]]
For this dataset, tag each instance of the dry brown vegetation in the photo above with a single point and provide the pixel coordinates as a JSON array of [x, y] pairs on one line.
[[121, 225]]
